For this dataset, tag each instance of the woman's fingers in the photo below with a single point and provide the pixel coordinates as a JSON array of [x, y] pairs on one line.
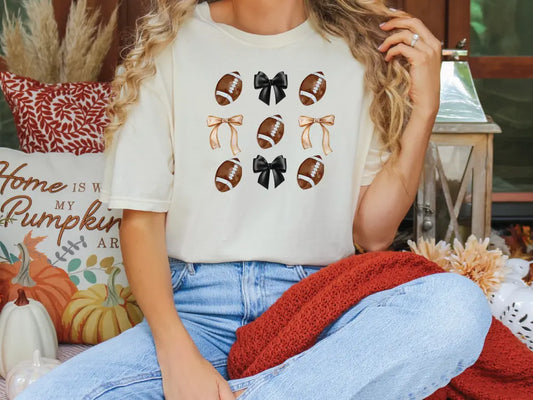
[[415, 26], [414, 56], [224, 391], [406, 37], [424, 58]]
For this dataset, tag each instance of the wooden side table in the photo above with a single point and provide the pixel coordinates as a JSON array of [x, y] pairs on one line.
[[474, 180]]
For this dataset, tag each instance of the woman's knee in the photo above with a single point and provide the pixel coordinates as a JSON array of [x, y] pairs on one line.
[[124, 358], [63, 382], [460, 311]]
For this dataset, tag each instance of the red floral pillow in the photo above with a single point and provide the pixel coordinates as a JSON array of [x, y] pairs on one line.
[[64, 117]]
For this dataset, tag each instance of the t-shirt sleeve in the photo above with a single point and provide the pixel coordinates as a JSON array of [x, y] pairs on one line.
[[377, 154], [375, 159], [139, 164]]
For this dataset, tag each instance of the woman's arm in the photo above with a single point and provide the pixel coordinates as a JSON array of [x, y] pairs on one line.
[[142, 237], [383, 204], [186, 373]]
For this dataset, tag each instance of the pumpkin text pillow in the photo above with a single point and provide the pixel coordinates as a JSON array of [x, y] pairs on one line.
[[63, 117], [61, 245]]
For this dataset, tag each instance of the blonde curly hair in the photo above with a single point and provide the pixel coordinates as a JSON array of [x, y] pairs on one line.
[[356, 21]]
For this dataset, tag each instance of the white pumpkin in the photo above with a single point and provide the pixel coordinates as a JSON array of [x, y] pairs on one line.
[[519, 268], [25, 326], [512, 304], [26, 372], [504, 297]]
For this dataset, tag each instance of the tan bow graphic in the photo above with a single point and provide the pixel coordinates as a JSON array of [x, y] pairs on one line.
[[215, 123], [308, 122]]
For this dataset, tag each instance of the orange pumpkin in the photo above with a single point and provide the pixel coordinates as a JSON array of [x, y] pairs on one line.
[[41, 281], [100, 312]]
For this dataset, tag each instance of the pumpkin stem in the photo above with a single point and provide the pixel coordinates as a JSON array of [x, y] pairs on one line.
[[23, 278], [112, 299], [36, 358], [22, 300]]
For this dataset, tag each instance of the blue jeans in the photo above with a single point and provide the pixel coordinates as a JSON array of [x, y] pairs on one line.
[[402, 343]]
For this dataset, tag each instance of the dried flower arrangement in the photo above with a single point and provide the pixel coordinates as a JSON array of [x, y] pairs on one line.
[[473, 260], [519, 238], [35, 50], [439, 253]]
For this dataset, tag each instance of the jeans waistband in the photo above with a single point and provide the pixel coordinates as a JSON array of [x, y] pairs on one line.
[[191, 264]]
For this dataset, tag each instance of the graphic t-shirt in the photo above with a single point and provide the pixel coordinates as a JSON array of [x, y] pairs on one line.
[[255, 145]]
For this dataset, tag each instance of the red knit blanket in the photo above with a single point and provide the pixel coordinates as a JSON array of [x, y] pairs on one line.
[[292, 324]]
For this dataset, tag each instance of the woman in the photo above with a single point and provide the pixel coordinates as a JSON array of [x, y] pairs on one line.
[[220, 220]]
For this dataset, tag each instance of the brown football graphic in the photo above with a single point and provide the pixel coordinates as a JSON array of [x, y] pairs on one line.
[[270, 131], [229, 88], [313, 88], [228, 175], [310, 172]]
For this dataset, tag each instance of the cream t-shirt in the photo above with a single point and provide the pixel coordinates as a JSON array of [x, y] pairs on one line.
[[255, 145]]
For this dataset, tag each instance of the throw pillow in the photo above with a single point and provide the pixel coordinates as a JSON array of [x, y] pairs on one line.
[[61, 245], [64, 117]]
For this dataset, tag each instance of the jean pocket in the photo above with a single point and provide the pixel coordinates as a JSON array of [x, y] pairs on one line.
[[304, 271], [179, 270], [392, 294]]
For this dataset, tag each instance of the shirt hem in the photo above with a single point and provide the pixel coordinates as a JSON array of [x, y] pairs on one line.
[[134, 204], [306, 261]]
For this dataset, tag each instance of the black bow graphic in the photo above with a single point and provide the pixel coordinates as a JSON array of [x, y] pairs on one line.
[[279, 83], [277, 166]]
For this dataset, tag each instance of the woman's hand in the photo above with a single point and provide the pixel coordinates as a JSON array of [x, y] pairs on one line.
[[188, 375], [424, 56]]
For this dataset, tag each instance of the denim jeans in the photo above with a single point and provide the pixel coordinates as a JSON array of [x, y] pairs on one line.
[[402, 343]]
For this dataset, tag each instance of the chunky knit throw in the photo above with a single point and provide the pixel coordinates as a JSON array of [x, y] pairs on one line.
[[504, 370]]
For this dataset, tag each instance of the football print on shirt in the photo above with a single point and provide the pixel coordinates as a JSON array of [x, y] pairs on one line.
[[313, 88], [228, 89], [270, 132], [310, 172], [228, 175]]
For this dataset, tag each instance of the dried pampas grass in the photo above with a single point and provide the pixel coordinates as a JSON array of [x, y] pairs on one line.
[[13, 45], [473, 260], [42, 40], [84, 35], [36, 52], [100, 47]]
